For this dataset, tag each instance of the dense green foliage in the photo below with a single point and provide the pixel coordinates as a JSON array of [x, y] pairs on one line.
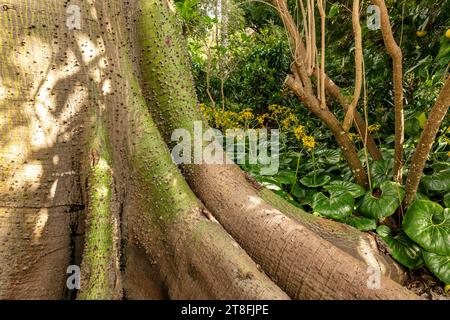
[[239, 80]]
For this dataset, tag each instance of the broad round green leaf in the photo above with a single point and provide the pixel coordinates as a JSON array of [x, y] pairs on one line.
[[339, 205], [303, 195], [355, 189], [402, 248], [439, 265], [378, 207], [315, 181], [360, 223], [329, 156], [285, 177], [428, 224], [383, 231], [447, 200], [438, 181], [381, 171], [297, 190], [421, 196], [440, 166]]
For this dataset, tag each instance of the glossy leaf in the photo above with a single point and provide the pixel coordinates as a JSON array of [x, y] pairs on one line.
[[329, 156], [360, 223], [421, 196], [285, 177], [438, 181], [355, 189], [303, 195], [439, 265], [447, 200], [428, 224], [440, 166], [337, 206], [381, 171], [401, 248], [314, 182], [384, 205]]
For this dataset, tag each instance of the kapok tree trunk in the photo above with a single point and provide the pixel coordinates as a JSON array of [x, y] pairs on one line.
[[308, 257]]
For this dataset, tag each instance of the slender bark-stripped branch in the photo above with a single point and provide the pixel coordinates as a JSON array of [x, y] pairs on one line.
[[322, 55], [397, 61], [350, 115], [327, 117], [426, 141], [300, 84], [359, 121], [330, 86]]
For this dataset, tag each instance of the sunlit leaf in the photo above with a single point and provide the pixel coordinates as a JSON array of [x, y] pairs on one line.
[[401, 247], [381, 171], [329, 156], [315, 181], [439, 265], [382, 202], [355, 189], [338, 205], [428, 224], [438, 181]]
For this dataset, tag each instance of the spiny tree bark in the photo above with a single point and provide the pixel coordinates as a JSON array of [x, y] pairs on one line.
[[297, 250], [70, 93], [101, 257]]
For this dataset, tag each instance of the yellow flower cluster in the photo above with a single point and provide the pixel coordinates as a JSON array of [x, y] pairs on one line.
[[373, 128], [282, 116], [225, 119], [309, 142], [299, 132], [220, 118], [277, 114], [276, 109], [262, 118], [353, 136], [246, 115], [289, 121]]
